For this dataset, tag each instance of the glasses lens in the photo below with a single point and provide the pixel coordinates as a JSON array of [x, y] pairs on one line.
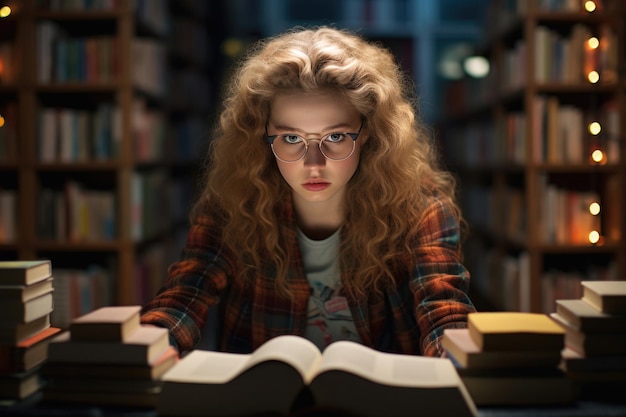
[[289, 147], [337, 146]]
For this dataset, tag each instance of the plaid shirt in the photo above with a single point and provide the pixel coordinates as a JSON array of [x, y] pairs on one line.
[[430, 294]]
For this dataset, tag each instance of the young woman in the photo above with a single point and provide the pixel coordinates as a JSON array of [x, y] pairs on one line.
[[323, 213]]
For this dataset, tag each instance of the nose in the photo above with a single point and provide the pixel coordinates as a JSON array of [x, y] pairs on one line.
[[314, 155]]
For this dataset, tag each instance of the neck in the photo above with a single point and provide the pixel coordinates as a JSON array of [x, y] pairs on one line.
[[318, 220]]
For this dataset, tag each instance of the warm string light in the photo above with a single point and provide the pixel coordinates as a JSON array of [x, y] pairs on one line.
[[1, 121], [594, 236], [5, 11], [590, 6]]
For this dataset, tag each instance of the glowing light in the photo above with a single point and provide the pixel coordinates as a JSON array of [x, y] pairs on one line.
[[5, 11], [593, 42], [590, 6], [594, 208], [597, 156], [476, 66], [595, 128], [593, 77], [1, 121], [594, 237]]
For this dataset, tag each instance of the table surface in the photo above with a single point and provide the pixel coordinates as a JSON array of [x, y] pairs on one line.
[[34, 407]]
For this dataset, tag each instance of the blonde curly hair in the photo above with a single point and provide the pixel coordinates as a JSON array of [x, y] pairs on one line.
[[396, 180]]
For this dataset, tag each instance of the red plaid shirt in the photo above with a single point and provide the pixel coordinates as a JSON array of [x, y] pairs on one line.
[[430, 294]]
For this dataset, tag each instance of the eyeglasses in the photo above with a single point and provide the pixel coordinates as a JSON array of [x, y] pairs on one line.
[[336, 146]]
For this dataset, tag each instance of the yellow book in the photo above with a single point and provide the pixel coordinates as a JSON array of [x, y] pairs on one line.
[[504, 330]]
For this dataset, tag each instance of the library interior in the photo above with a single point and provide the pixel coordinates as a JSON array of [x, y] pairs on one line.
[[106, 113]]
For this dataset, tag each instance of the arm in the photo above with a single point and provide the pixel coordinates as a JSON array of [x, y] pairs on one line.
[[440, 282], [193, 285]]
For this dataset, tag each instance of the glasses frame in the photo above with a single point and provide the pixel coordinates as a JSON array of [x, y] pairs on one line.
[[354, 135]]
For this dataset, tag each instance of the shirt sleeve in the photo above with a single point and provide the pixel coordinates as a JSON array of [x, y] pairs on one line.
[[440, 281], [192, 287]]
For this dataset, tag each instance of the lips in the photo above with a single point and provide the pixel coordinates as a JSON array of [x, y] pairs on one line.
[[316, 185]]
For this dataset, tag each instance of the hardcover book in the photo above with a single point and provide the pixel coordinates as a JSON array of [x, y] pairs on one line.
[[515, 331], [606, 296], [346, 377], [465, 353], [24, 272], [143, 347], [113, 324], [585, 318]]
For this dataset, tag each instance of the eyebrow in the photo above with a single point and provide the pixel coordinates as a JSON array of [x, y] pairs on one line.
[[294, 129]]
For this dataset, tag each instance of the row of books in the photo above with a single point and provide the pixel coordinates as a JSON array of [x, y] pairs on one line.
[[72, 135], [560, 135], [26, 295], [561, 132], [76, 214]]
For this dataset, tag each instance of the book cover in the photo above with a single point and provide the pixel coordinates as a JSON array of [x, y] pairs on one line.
[[576, 362], [606, 296], [592, 344], [28, 353], [117, 393], [142, 347], [113, 323], [517, 388], [24, 312], [347, 376], [20, 385], [23, 293], [13, 333], [24, 272], [465, 352], [515, 331], [585, 318], [152, 371]]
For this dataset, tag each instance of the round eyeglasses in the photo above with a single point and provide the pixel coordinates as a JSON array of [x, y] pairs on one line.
[[336, 146]]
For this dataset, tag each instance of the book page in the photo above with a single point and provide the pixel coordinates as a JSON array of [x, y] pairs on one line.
[[207, 367], [297, 351], [386, 368], [211, 367]]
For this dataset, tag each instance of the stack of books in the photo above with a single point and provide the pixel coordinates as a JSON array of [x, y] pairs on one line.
[[25, 308], [510, 358], [107, 357], [595, 337]]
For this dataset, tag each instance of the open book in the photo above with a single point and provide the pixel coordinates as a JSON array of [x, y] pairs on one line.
[[289, 373]]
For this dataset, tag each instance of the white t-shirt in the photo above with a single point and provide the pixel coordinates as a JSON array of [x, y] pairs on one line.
[[329, 316]]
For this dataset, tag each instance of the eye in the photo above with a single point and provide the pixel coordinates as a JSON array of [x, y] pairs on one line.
[[335, 137], [291, 139]]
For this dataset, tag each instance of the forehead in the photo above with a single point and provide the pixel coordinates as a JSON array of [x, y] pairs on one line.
[[311, 112]]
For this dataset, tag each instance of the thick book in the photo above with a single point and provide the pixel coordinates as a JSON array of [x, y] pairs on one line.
[[103, 392], [585, 318], [113, 324], [20, 385], [151, 371], [25, 293], [346, 377], [575, 362], [465, 352], [24, 272], [592, 344], [24, 312], [143, 347], [27, 354], [517, 387], [515, 331], [13, 333], [606, 296]]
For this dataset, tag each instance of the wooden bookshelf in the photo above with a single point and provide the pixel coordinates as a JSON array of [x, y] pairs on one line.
[[101, 157], [521, 144]]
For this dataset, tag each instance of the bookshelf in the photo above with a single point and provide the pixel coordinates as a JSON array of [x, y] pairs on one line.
[[102, 139], [538, 145]]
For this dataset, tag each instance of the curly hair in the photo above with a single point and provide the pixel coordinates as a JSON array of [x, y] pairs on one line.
[[397, 176]]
